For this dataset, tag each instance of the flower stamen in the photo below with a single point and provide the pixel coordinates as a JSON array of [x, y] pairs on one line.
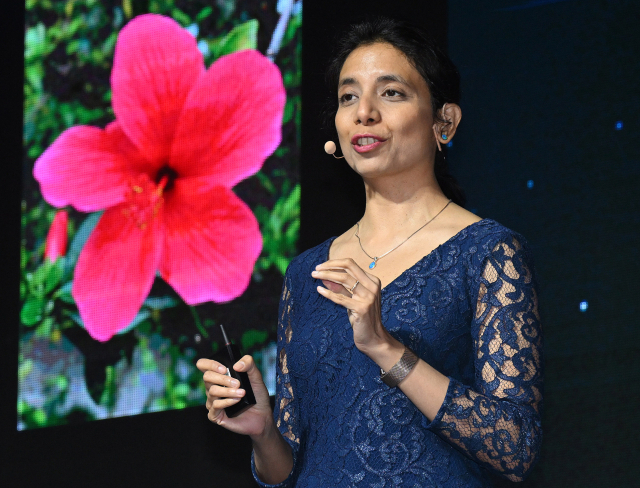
[[144, 200]]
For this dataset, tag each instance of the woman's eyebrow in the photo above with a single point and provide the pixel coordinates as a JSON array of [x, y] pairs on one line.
[[395, 78], [347, 81], [379, 79]]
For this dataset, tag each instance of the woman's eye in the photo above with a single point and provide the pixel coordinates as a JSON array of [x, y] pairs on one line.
[[392, 93], [347, 97]]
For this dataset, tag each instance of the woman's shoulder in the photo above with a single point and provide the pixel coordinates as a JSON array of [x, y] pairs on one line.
[[489, 240], [487, 235], [308, 259]]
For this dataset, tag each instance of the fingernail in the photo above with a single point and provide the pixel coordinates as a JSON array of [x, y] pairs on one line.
[[240, 364], [314, 273], [222, 369], [240, 392], [235, 383]]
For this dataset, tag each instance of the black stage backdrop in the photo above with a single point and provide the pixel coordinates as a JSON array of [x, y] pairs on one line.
[[548, 146]]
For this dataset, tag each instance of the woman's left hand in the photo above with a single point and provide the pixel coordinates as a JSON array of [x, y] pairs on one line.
[[362, 301]]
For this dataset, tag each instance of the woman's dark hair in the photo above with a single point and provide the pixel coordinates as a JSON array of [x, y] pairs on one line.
[[427, 58]]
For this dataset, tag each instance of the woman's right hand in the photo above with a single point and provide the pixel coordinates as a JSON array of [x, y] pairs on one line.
[[223, 391]]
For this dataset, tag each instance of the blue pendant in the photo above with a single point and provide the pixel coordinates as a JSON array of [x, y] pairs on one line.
[[373, 263]]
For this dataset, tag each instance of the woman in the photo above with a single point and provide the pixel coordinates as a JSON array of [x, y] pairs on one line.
[[409, 346]]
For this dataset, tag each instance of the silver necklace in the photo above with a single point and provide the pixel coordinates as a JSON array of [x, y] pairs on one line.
[[376, 258]]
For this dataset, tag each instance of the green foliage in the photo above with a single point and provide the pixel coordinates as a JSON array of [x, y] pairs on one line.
[[243, 36], [252, 338], [280, 228], [39, 285]]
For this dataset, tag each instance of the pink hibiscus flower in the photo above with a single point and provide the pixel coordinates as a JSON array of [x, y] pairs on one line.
[[163, 170], [56, 244]]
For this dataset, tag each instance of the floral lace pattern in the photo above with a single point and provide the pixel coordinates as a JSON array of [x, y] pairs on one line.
[[469, 309]]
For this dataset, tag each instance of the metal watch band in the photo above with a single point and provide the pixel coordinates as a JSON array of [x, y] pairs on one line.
[[400, 370]]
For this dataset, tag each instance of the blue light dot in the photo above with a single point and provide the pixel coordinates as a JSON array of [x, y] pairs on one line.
[[619, 125], [530, 184], [450, 144], [584, 305]]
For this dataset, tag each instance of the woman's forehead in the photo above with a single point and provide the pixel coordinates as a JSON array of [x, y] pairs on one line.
[[373, 61]]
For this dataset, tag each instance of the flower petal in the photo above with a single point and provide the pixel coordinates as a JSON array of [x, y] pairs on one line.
[[212, 242], [115, 271], [231, 121], [156, 62], [83, 168]]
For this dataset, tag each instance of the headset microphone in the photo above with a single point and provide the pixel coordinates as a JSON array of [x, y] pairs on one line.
[[330, 148]]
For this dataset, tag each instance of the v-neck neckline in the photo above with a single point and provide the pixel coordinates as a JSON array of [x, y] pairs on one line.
[[420, 261]]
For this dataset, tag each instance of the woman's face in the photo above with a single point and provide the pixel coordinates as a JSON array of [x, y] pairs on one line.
[[384, 119]]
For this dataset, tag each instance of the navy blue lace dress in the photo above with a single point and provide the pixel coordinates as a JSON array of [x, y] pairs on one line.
[[469, 309]]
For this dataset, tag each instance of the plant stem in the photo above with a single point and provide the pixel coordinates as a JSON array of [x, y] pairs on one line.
[[199, 325]]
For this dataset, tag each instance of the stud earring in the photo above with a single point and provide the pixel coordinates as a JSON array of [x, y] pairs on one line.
[[444, 137]]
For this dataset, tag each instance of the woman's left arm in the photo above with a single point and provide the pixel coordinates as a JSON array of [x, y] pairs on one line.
[[495, 421]]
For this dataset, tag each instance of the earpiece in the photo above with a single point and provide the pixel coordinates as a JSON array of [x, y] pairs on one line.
[[435, 130]]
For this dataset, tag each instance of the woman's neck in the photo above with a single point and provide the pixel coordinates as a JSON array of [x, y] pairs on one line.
[[398, 206]]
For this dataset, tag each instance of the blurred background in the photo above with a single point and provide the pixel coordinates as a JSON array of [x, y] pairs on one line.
[[548, 146]]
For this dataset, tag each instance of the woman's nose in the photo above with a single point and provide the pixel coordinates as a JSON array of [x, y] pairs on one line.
[[367, 112]]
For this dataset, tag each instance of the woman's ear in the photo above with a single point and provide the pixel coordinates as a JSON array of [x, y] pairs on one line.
[[451, 114]]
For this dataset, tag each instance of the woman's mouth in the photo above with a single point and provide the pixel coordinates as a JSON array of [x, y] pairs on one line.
[[365, 143]]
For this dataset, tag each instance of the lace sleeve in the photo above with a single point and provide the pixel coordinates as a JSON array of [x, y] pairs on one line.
[[285, 402], [497, 422]]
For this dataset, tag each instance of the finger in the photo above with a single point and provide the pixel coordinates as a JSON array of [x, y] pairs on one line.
[[335, 287], [217, 415], [220, 379], [223, 392], [351, 267], [205, 364], [248, 365], [336, 276], [224, 403], [337, 298], [336, 281]]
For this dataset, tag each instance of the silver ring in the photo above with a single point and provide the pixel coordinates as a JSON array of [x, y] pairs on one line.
[[353, 287]]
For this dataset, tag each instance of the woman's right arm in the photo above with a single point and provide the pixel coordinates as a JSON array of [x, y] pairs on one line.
[[275, 435], [272, 455]]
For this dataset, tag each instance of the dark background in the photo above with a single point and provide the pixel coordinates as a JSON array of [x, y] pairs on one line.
[[544, 84]]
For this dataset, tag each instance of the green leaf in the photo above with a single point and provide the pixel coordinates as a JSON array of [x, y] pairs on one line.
[[243, 36], [281, 263], [266, 182], [64, 293], [24, 258], [181, 390], [79, 240], [204, 13], [44, 329], [31, 312], [160, 303], [25, 368], [179, 16], [54, 274], [34, 74], [288, 111], [252, 337], [142, 315]]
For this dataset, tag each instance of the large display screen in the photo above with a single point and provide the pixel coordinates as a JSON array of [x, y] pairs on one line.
[[160, 197]]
